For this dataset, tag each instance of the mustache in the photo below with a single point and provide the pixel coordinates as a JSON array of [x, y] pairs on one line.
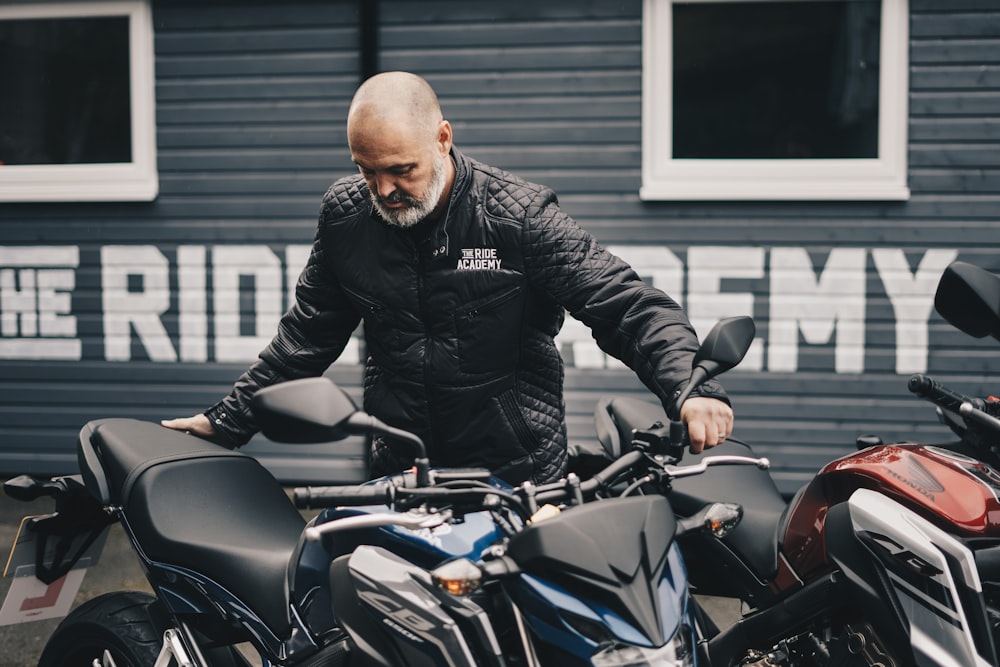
[[396, 197]]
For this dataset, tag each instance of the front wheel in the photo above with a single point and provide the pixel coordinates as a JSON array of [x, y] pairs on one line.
[[119, 623]]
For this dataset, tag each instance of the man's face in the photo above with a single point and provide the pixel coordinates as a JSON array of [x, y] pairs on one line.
[[406, 176]]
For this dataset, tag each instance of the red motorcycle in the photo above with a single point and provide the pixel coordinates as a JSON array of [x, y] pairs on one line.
[[888, 557]]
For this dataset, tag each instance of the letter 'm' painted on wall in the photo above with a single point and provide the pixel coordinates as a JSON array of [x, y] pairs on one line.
[[817, 307]]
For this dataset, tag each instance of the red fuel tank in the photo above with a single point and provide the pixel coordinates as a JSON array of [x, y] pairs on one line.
[[958, 493]]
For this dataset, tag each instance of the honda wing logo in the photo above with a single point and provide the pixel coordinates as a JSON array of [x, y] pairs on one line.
[[918, 477]]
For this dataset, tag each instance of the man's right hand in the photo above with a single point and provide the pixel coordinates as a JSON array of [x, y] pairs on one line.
[[198, 425]]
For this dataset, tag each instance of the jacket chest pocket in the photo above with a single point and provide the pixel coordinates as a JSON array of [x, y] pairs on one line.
[[381, 332], [489, 333]]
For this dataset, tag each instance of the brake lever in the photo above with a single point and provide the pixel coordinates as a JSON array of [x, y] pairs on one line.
[[411, 521], [697, 468], [970, 411]]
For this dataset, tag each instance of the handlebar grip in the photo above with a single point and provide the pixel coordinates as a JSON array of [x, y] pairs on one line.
[[616, 468], [927, 388], [318, 497]]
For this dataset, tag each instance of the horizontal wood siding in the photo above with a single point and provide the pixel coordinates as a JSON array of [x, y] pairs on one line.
[[552, 91], [251, 99]]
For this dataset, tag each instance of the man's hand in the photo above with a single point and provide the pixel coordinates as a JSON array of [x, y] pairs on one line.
[[198, 425], [709, 422]]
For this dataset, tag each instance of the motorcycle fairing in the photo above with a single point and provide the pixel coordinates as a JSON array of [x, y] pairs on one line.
[[934, 578], [574, 626], [944, 487], [425, 625], [614, 553]]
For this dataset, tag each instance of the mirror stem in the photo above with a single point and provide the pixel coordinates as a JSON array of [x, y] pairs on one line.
[[420, 460], [698, 376]]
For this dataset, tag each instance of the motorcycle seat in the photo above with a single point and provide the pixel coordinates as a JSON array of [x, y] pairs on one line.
[[196, 505], [755, 539]]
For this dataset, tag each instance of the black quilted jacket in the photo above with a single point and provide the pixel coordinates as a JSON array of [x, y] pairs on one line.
[[459, 321]]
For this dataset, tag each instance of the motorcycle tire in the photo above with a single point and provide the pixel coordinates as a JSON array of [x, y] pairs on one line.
[[119, 623]]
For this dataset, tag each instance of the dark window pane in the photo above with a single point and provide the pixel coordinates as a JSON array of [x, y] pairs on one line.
[[64, 91], [771, 80]]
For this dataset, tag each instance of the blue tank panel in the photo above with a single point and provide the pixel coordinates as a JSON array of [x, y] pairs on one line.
[[309, 584]]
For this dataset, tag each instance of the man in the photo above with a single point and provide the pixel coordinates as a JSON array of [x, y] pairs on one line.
[[461, 273]]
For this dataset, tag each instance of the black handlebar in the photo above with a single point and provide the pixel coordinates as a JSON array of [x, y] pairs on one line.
[[558, 492], [608, 475], [938, 394], [318, 497]]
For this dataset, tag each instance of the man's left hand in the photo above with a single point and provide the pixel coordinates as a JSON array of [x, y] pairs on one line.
[[709, 422]]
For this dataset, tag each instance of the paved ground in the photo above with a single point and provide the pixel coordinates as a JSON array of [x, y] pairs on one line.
[[118, 569]]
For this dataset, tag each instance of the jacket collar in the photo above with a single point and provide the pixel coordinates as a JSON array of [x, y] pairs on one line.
[[438, 234]]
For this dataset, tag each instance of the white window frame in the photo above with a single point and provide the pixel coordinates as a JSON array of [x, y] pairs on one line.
[[136, 180], [667, 178]]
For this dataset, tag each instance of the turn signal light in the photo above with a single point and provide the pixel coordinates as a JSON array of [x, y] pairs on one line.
[[457, 577], [722, 518]]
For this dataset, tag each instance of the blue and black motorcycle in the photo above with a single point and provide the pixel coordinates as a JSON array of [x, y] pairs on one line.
[[428, 567]]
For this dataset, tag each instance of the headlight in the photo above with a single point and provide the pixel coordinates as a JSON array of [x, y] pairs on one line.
[[675, 653]]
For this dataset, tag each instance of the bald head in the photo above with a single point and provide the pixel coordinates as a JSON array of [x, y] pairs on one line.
[[400, 101], [401, 144]]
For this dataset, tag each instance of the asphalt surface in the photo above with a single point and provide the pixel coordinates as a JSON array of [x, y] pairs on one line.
[[118, 569]]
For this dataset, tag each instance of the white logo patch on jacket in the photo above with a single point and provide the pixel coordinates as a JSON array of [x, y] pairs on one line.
[[479, 259]]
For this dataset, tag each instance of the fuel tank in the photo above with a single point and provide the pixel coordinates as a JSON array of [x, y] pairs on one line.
[[957, 493], [309, 576]]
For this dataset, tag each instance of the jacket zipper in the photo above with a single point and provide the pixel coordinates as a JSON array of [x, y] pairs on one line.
[[372, 307], [429, 387], [493, 302]]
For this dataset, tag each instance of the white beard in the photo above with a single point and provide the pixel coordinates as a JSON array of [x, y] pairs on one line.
[[416, 209]]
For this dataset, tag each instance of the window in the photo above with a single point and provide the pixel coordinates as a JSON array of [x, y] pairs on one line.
[[76, 102], [775, 99]]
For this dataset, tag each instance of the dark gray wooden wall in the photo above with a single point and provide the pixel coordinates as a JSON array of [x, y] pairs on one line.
[[251, 98]]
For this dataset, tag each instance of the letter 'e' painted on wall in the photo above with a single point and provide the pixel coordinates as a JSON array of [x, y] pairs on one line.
[[36, 295]]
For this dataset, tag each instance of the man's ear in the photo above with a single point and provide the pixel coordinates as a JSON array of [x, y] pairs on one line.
[[444, 137]]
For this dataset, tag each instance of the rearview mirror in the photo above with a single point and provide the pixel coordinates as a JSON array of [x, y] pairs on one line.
[[725, 345], [968, 297], [314, 410], [310, 410]]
